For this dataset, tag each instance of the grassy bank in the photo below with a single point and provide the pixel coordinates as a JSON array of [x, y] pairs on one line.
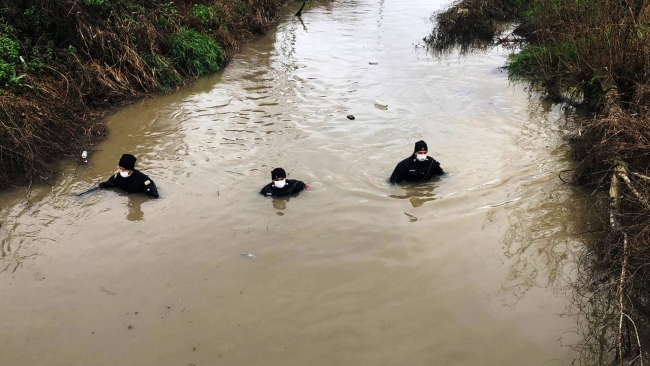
[[596, 54], [64, 61]]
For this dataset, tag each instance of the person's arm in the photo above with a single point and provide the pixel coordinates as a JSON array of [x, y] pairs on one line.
[[266, 190], [149, 187], [110, 183], [300, 186], [437, 169], [396, 177]]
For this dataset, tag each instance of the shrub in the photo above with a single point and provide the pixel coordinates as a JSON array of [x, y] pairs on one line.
[[195, 53], [166, 76], [8, 54], [203, 14]]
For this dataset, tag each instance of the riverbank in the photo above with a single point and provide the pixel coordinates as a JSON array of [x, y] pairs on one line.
[[62, 63], [594, 55]]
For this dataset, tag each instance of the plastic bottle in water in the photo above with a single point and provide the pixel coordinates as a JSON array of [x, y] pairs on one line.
[[381, 104]]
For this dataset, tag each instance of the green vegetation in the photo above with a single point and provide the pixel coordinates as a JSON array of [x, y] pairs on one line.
[[204, 15], [8, 55], [63, 62], [195, 53], [570, 41], [166, 76]]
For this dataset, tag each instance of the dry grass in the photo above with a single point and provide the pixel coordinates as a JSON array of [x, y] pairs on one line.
[[87, 55]]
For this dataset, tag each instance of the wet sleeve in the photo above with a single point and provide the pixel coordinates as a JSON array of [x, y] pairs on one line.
[[396, 177], [149, 187], [437, 169], [264, 190], [110, 183], [300, 186]]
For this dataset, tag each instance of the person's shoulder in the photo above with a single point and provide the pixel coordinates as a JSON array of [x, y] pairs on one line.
[[141, 177], [406, 161], [266, 190]]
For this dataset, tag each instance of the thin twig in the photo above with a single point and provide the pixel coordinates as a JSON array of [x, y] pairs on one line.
[[559, 175], [639, 355], [108, 292]]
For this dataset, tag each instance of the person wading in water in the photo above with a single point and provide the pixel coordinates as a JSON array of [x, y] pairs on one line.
[[281, 186], [129, 179], [418, 167]]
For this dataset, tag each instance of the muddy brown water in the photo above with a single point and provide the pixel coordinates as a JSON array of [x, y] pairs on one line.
[[466, 270]]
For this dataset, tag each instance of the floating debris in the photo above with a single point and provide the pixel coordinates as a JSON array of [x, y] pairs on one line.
[[248, 255], [350, 117], [381, 104], [411, 217]]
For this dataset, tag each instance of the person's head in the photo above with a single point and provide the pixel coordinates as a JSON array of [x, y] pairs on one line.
[[420, 151], [279, 177], [127, 165]]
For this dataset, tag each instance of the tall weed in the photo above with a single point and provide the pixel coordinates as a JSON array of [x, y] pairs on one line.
[[195, 53]]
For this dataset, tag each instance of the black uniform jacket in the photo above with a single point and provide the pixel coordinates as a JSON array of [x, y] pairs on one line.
[[412, 170], [136, 182], [292, 186]]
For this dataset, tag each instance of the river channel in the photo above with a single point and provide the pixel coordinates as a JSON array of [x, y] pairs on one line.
[[469, 269]]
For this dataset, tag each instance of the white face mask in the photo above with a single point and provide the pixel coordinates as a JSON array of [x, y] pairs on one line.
[[124, 174], [280, 183], [421, 157]]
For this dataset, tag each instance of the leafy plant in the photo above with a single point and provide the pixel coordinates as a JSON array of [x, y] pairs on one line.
[[203, 14], [169, 8], [525, 63], [8, 53], [195, 53], [15, 80], [166, 76], [36, 17], [34, 63]]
